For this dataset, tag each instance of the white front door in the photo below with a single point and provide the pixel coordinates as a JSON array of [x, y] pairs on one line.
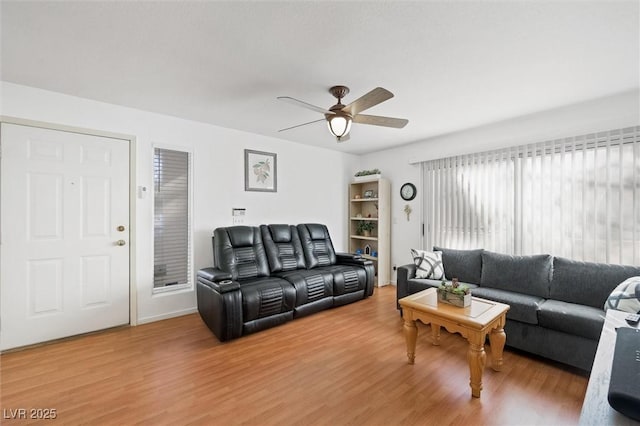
[[64, 234]]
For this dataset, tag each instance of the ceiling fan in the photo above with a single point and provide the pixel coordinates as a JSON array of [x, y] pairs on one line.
[[339, 117]]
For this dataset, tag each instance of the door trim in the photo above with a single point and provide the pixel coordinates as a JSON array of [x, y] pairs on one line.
[[133, 310]]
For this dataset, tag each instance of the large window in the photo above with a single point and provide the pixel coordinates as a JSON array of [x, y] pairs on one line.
[[577, 198], [172, 219]]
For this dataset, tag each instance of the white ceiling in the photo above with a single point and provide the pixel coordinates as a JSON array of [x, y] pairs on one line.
[[451, 65]]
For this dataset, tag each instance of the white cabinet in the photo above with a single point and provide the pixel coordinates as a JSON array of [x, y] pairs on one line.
[[369, 207]]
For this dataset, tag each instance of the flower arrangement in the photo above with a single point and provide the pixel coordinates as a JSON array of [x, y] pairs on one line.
[[454, 293], [455, 287], [368, 172]]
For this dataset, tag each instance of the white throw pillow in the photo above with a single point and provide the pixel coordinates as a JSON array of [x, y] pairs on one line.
[[428, 264], [625, 297]]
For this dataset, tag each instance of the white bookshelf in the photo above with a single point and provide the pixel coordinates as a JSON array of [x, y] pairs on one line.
[[370, 201]]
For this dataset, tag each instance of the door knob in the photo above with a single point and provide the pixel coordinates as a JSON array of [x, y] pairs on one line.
[[120, 228], [121, 242]]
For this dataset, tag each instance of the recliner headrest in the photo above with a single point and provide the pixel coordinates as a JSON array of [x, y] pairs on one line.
[[241, 236], [316, 231], [280, 233]]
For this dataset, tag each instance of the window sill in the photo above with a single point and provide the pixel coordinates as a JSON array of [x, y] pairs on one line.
[[172, 289]]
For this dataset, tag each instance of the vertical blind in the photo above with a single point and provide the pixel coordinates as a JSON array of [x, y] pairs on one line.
[[577, 197], [172, 236]]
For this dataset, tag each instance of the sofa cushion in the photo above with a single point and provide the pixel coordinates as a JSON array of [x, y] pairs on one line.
[[522, 274], [310, 285], [466, 265], [587, 283], [625, 297], [523, 307], [346, 278], [572, 318], [428, 264], [266, 296], [283, 247]]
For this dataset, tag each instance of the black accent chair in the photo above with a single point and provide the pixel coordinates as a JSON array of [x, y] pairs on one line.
[[267, 275]]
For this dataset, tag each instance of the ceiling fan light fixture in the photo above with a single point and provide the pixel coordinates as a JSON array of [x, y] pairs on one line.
[[339, 117], [339, 124]]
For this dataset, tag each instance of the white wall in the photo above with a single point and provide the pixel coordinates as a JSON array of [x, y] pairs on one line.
[[400, 164], [305, 193], [312, 182]]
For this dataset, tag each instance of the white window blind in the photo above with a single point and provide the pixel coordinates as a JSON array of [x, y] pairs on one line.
[[172, 224], [576, 197]]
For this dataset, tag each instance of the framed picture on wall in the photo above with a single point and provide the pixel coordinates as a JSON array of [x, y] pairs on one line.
[[260, 171]]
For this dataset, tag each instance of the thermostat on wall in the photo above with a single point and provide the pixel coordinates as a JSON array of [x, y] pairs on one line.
[[238, 215]]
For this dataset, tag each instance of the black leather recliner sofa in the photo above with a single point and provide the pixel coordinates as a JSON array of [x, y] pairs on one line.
[[267, 275]]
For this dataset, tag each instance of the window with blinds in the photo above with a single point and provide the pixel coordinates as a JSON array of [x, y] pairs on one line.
[[577, 197], [172, 218]]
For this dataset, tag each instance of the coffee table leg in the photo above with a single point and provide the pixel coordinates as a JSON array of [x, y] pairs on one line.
[[410, 335], [497, 338], [477, 358], [435, 334]]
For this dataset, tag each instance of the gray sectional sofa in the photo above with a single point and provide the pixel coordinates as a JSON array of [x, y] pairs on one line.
[[557, 304]]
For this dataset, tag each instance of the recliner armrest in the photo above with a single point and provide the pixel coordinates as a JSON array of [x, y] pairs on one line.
[[222, 287], [352, 259], [226, 286], [214, 274], [357, 260], [340, 257], [220, 305]]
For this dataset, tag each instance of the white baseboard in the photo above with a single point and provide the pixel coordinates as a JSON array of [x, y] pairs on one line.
[[145, 320]]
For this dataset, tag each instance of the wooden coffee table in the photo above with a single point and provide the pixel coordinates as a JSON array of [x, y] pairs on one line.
[[473, 323]]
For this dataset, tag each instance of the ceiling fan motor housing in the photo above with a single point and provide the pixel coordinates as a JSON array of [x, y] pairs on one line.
[[339, 92]]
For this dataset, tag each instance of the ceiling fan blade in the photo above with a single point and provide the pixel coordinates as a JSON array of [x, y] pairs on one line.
[[344, 138], [300, 125], [377, 120], [294, 101], [373, 98]]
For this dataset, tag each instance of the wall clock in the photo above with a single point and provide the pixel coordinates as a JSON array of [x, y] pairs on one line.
[[408, 191]]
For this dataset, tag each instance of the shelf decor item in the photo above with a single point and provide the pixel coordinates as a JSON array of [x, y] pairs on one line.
[[368, 172], [364, 175], [365, 227], [454, 294]]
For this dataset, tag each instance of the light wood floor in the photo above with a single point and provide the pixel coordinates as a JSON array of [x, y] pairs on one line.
[[342, 366]]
